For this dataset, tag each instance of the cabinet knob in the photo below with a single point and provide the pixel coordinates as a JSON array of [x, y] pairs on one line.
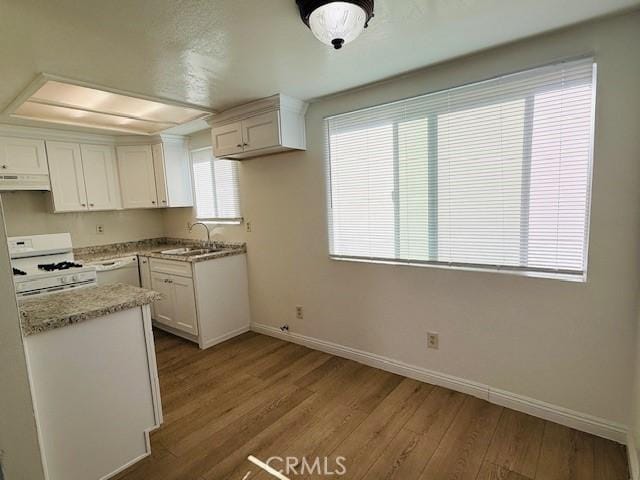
[[153, 201], [4, 167], [245, 144], [83, 204], [239, 146], [91, 205], [164, 201]]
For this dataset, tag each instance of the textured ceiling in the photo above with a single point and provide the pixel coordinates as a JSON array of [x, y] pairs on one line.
[[218, 53]]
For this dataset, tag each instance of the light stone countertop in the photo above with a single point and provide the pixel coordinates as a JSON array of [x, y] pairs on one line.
[[58, 310], [154, 247]]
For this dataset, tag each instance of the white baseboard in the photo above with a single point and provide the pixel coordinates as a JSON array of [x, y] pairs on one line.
[[564, 416], [570, 418], [175, 331], [222, 338], [632, 454]]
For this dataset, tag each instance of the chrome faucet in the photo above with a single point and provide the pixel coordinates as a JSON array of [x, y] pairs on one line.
[[205, 226]]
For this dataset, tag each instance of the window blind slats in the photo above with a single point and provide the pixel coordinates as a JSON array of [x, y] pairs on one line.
[[494, 174], [216, 187]]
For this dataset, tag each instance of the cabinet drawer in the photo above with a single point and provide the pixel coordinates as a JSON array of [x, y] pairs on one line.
[[182, 269]]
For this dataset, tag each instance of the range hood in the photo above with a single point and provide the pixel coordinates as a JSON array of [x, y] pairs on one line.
[[13, 182]]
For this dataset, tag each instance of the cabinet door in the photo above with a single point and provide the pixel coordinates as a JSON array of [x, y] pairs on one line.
[[145, 278], [145, 272], [160, 174], [177, 173], [22, 156], [100, 177], [67, 177], [137, 178], [227, 139], [261, 131], [185, 305], [163, 308]]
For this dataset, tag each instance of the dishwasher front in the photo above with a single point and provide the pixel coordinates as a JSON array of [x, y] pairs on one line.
[[118, 270]]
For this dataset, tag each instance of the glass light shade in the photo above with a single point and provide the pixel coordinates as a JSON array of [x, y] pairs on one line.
[[337, 23]]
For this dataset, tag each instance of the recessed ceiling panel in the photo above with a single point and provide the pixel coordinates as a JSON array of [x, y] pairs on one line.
[[69, 104]]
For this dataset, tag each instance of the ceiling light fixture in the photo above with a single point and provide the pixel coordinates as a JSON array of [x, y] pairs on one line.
[[54, 99], [336, 23]]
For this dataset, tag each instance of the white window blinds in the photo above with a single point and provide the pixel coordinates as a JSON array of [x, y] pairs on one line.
[[216, 187], [495, 174]]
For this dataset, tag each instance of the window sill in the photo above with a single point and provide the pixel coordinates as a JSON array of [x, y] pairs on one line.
[[520, 273], [220, 222]]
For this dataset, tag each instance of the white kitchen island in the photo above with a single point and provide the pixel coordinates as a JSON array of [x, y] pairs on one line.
[[91, 360]]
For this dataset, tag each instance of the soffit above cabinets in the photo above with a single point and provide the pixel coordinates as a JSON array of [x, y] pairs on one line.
[[61, 101]]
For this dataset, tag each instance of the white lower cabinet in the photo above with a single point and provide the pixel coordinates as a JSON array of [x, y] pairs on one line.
[[185, 306], [95, 394], [206, 302], [145, 277], [177, 308]]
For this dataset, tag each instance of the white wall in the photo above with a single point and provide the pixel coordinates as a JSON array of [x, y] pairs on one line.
[[19, 449], [633, 437], [569, 344], [28, 213]]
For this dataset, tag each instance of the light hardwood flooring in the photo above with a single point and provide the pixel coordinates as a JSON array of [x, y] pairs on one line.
[[257, 395]]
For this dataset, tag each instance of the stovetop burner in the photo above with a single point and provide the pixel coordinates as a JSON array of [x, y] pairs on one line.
[[52, 267], [18, 272]]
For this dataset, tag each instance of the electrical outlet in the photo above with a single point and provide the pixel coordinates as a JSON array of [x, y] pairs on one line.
[[100, 229], [433, 340], [248, 227], [299, 312]]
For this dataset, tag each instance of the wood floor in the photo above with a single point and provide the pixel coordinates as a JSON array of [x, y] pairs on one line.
[[256, 395]]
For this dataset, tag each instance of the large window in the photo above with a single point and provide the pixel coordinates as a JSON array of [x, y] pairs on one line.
[[493, 175], [216, 187]]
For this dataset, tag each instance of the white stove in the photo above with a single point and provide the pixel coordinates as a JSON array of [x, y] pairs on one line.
[[45, 264]]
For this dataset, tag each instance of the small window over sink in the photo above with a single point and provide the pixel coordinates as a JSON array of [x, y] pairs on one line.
[[217, 188]]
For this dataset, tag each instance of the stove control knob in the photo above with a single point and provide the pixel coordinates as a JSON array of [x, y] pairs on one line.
[[75, 278]]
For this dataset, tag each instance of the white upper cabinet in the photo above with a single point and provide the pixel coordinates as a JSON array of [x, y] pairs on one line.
[[227, 139], [89, 172], [172, 173], [160, 174], [67, 177], [155, 176], [100, 177], [22, 156], [137, 177], [261, 131], [272, 125], [83, 177]]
